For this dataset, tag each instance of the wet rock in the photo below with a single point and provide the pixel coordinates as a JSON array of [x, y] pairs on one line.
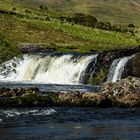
[[7, 92], [106, 58], [71, 99], [94, 99], [125, 93]]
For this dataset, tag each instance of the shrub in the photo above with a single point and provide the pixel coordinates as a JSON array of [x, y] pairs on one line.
[[86, 20], [81, 19], [28, 11], [131, 25], [14, 9], [43, 8], [107, 26]]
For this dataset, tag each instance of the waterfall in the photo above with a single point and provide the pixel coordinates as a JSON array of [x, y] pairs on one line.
[[117, 68], [48, 68]]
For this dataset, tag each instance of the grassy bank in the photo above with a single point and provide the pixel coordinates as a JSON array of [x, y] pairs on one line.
[[23, 24], [7, 50]]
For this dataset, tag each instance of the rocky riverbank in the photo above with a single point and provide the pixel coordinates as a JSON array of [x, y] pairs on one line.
[[125, 93]]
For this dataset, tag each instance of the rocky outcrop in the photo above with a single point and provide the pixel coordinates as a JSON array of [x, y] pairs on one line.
[[7, 92], [33, 97], [33, 48], [125, 93], [106, 58]]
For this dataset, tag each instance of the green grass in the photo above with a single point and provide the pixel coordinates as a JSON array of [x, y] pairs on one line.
[[7, 50], [115, 11], [53, 34]]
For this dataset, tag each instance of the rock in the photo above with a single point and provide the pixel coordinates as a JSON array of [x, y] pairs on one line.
[[122, 87], [106, 58], [135, 66], [7, 92], [94, 99], [130, 100], [33, 48], [126, 91], [71, 99]]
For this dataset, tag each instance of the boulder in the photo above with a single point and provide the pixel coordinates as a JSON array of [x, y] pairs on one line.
[[126, 92]]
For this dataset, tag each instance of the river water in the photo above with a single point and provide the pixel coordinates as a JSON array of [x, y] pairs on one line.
[[69, 124], [49, 87], [65, 72]]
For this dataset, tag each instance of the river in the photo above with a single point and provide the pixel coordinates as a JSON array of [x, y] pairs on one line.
[[69, 123]]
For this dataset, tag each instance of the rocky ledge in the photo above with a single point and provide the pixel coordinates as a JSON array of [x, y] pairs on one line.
[[125, 93]]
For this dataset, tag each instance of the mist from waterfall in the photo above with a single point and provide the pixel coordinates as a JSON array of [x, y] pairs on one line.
[[117, 68], [51, 69]]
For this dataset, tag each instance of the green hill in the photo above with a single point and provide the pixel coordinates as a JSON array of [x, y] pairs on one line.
[[114, 11], [25, 22]]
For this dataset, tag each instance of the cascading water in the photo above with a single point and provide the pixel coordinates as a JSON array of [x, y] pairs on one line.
[[54, 69], [117, 69]]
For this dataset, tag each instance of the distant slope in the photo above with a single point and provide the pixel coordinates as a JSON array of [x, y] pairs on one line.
[[25, 22], [117, 11]]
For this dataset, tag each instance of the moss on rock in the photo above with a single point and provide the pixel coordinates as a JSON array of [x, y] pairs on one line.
[[124, 93], [98, 78]]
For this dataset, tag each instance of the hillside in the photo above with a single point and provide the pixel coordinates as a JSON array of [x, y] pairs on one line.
[[22, 23], [120, 11]]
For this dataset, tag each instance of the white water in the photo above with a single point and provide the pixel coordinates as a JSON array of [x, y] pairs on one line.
[[117, 68], [12, 113], [63, 69]]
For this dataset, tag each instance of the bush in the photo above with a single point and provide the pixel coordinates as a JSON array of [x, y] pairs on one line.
[[86, 20], [107, 26], [43, 8], [131, 25], [14, 9], [28, 11], [81, 19]]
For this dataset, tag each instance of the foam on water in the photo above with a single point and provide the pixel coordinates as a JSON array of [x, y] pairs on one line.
[[12, 113]]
